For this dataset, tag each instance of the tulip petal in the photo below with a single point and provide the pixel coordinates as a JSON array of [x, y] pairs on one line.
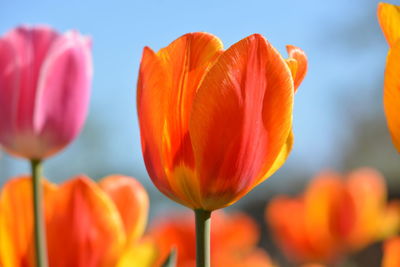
[[9, 77], [28, 48], [31, 46], [132, 202], [390, 223], [240, 120], [389, 20], [167, 84], [299, 69], [330, 213], [143, 254], [253, 258], [234, 232], [231, 235], [176, 231], [62, 96], [391, 252], [283, 155], [289, 228], [85, 229], [391, 95], [368, 191], [16, 221], [152, 82], [293, 65]]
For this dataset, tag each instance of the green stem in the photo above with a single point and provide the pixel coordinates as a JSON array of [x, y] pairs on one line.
[[203, 220], [39, 229]]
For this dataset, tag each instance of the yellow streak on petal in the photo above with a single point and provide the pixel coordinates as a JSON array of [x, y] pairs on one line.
[[293, 65], [143, 254], [280, 160], [186, 186]]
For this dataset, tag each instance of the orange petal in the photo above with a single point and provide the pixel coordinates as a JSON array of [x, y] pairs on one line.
[[390, 223], [175, 231], [253, 258], [368, 191], [391, 95], [233, 233], [85, 229], [289, 228], [143, 254], [283, 155], [153, 83], [389, 20], [299, 69], [167, 84], [391, 253], [330, 214], [293, 65], [132, 202], [241, 117], [16, 221]]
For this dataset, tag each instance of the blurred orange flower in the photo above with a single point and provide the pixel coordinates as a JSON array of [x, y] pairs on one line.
[[389, 20], [333, 217], [88, 224], [391, 252], [234, 240], [215, 123]]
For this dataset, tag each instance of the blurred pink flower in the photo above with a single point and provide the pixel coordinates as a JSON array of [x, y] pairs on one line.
[[45, 80]]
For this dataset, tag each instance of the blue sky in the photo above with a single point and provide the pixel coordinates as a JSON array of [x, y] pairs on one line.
[[120, 30]]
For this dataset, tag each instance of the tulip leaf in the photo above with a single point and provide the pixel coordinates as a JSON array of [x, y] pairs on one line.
[[171, 259]]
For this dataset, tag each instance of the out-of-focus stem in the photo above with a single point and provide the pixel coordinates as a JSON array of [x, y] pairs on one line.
[[39, 228], [203, 220]]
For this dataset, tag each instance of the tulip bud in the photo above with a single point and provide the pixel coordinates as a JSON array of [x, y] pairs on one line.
[[45, 81]]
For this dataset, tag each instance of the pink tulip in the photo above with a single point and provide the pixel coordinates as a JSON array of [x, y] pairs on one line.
[[45, 80]]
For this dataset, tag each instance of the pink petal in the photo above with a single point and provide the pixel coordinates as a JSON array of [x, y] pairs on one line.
[[63, 90], [31, 46], [9, 82]]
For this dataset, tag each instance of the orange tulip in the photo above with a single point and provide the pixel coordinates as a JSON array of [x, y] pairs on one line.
[[333, 217], [16, 221], [216, 123], [233, 240], [389, 19], [84, 221], [391, 252]]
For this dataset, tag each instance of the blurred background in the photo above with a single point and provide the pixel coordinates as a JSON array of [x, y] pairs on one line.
[[339, 122]]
